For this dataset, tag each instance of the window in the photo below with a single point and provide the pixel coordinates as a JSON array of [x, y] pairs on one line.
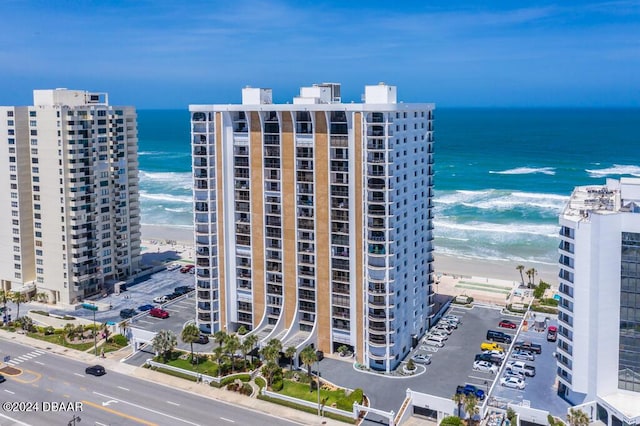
[[33, 123], [33, 132]]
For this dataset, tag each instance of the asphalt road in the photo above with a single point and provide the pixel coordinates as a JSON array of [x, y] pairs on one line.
[[52, 389]]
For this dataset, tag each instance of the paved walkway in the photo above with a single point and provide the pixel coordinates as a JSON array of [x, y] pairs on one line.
[[113, 362]]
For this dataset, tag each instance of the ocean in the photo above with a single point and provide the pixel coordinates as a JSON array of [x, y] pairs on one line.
[[502, 176]]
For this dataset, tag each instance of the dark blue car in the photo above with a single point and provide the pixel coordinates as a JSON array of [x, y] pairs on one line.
[[143, 308]]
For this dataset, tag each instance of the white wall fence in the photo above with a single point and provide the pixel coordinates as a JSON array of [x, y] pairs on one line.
[[206, 379]]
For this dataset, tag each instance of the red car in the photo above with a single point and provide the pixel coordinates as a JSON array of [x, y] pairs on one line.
[[507, 324], [187, 268], [159, 313]]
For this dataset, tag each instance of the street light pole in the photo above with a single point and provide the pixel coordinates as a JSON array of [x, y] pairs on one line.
[[318, 387], [95, 335]]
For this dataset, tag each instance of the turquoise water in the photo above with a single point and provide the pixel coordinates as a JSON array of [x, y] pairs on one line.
[[502, 176]]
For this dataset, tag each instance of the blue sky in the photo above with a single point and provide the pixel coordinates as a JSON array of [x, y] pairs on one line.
[[168, 54]]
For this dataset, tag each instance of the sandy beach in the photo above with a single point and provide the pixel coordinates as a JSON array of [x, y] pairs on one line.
[[452, 270]]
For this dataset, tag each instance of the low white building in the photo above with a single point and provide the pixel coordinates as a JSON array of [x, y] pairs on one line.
[[599, 309]]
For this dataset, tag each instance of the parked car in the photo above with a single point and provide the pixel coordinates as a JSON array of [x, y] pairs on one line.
[[450, 317], [552, 333], [183, 289], [443, 327], [497, 354], [436, 337], [488, 357], [512, 382], [521, 367], [160, 299], [471, 390], [2, 379], [491, 346], [146, 307], [159, 313], [522, 355], [485, 366], [498, 336], [507, 324], [173, 267], [448, 322], [172, 296], [509, 373], [440, 333], [202, 339], [528, 346], [421, 359], [95, 370], [127, 313], [187, 268], [433, 341]]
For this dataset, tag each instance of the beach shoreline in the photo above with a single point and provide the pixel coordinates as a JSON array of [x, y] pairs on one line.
[[183, 237]]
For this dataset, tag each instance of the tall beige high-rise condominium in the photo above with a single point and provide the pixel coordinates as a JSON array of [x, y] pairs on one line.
[[313, 220], [70, 216]]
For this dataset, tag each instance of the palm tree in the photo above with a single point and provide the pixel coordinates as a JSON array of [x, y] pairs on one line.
[[231, 346], [164, 342], [252, 341], [220, 337], [245, 347], [471, 406], [520, 268], [458, 398], [18, 298], [190, 334], [308, 357], [42, 297], [217, 353], [69, 331], [290, 353], [577, 417], [531, 274]]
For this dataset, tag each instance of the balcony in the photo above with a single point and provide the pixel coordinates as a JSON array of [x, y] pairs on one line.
[[377, 211]]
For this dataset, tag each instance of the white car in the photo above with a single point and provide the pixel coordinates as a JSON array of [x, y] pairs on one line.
[[444, 328], [497, 354], [173, 267], [517, 375], [421, 359], [439, 333], [523, 355], [485, 366], [512, 382], [434, 341], [160, 299], [452, 318]]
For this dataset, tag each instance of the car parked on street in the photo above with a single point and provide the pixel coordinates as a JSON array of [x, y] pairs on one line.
[[512, 382], [508, 324], [485, 366], [159, 313], [95, 370]]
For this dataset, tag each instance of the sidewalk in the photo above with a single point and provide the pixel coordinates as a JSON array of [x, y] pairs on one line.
[[112, 362]]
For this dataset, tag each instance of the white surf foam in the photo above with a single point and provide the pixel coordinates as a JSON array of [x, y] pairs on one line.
[[166, 197], [526, 171], [616, 169]]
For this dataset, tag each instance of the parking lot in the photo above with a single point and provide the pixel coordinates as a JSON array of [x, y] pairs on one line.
[[137, 294]]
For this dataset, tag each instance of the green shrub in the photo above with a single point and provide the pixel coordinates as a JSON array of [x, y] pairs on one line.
[[68, 318], [277, 385], [246, 389], [176, 374], [451, 421], [540, 289], [119, 340], [45, 313], [306, 409], [357, 395], [549, 302], [49, 331], [261, 382]]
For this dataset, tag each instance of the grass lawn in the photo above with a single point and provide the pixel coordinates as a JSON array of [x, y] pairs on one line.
[[205, 366], [301, 391], [110, 347], [58, 339]]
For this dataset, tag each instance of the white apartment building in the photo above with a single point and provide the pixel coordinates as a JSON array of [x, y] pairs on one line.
[[599, 310], [313, 220], [70, 217]]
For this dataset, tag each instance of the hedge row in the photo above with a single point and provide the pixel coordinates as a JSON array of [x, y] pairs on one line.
[[306, 409]]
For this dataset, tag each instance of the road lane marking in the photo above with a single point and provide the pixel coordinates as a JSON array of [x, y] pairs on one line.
[[145, 408], [118, 413], [38, 362], [7, 390], [120, 387], [227, 420], [79, 375], [173, 403], [15, 421]]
